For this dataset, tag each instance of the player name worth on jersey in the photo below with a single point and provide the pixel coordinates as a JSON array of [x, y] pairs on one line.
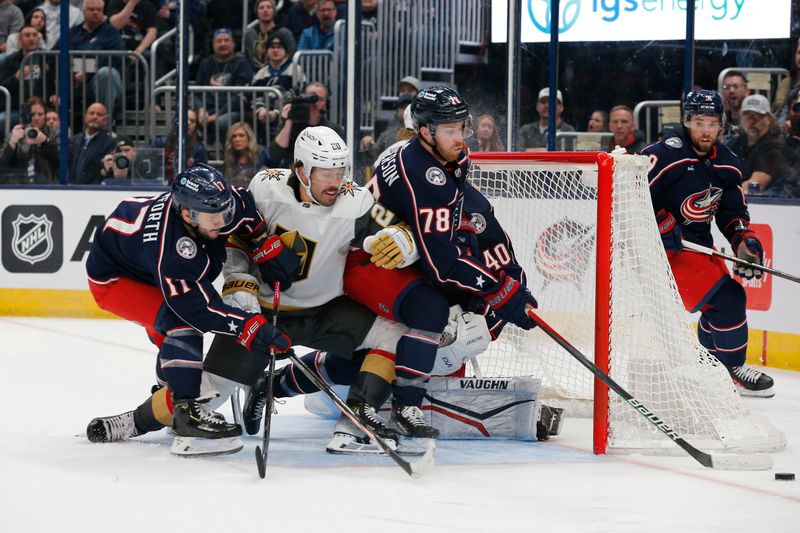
[[153, 223]]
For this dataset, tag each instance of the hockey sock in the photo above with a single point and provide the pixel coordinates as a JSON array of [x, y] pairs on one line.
[[155, 412], [181, 361], [374, 382], [334, 370], [725, 321], [425, 312]]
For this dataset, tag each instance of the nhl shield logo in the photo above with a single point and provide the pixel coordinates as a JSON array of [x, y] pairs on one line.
[[32, 240]]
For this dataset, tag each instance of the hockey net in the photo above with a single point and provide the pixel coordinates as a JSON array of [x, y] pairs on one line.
[[549, 204]]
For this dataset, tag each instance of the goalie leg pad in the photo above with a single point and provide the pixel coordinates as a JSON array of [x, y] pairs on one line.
[[475, 408]]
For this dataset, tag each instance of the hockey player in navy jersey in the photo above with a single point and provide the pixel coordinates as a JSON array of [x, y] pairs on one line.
[[153, 263], [693, 179], [424, 185]]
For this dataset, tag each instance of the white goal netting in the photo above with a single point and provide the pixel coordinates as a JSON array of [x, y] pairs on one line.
[[549, 208]]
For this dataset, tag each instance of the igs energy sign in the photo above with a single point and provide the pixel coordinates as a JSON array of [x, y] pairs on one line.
[[646, 20]]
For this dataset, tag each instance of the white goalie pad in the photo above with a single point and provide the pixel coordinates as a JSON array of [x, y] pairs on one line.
[[476, 408], [465, 336]]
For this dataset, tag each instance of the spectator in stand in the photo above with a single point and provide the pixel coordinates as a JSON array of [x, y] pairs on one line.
[[34, 73], [625, 133], [301, 16], [243, 157], [38, 20], [31, 153], [598, 122], [792, 143], [136, 20], [487, 136], [53, 122], [760, 146], [87, 149], [258, 39], [11, 20], [278, 73], [533, 136], [369, 11], [407, 89], [780, 104], [116, 168], [226, 68], [52, 11], [320, 36], [196, 151], [734, 91], [97, 34], [296, 117]]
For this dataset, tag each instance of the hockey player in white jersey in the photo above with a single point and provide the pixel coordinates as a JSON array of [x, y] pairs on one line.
[[319, 213]]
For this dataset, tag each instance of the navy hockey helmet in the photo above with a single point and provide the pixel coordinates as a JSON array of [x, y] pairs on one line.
[[703, 103], [202, 189], [439, 105]]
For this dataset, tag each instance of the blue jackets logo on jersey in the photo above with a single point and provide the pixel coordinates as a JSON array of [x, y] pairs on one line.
[[701, 206], [186, 247], [435, 176]]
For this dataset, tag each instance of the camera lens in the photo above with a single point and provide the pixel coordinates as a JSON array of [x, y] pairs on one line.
[[122, 162], [31, 132]]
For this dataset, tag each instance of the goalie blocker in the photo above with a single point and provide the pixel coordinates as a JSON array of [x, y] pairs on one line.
[[477, 408]]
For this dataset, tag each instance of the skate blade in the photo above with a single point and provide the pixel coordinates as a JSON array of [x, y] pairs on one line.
[[200, 447], [747, 393], [346, 444]]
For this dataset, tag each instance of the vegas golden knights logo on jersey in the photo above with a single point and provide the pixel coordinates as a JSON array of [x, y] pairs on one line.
[[302, 246]]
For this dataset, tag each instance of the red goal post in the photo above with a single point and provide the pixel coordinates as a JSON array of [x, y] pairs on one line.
[[582, 226]]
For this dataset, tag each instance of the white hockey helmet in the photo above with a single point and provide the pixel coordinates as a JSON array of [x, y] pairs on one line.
[[320, 147]]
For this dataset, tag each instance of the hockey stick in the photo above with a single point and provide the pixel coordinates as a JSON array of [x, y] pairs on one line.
[[415, 470], [710, 251], [263, 450], [751, 461]]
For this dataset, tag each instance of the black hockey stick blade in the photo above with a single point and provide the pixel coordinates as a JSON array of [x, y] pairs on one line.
[[416, 469], [750, 461], [733, 259], [263, 450], [261, 462]]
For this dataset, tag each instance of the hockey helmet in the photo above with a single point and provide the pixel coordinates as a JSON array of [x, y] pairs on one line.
[[202, 189], [320, 147], [703, 102], [440, 105]]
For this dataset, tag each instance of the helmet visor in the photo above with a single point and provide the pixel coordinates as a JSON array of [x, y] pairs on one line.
[[212, 221]]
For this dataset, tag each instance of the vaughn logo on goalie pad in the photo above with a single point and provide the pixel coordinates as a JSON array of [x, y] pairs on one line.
[[474, 408]]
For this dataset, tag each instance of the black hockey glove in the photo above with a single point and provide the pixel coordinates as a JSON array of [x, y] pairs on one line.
[[259, 336], [670, 231], [276, 262], [510, 300], [747, 246]]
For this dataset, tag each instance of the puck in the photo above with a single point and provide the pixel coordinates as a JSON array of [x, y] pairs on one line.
[[784, 476]]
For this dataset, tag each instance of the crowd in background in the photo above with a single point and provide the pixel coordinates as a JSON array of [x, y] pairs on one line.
[[765, 134]]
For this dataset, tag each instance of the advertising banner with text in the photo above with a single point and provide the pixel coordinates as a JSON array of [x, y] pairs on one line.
[[646, 20]]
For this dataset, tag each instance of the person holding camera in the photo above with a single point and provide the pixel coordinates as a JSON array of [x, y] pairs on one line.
[[30, 156], [117, 166], [303, 110]]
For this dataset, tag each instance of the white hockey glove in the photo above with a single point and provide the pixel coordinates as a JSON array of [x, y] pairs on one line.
[[241, 291], [392, 247], [465, 336]]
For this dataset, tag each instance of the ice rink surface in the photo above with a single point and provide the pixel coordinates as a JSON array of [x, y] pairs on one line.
[[57, 374]]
